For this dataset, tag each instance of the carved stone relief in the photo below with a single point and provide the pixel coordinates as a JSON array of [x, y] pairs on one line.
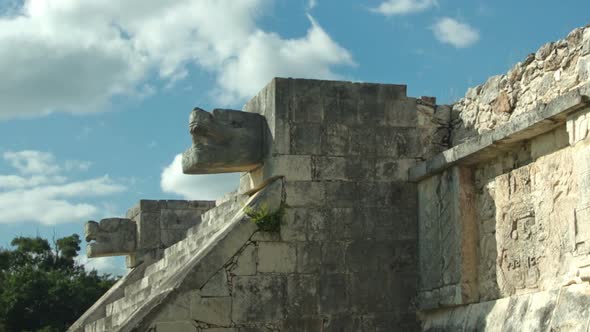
[[534, 212]]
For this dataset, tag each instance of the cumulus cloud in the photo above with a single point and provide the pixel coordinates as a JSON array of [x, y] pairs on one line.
[[267, 55], [403, 7], [62, 55], [111, 265], [453, 32], [206, 187], [42, 194], [32, 162]]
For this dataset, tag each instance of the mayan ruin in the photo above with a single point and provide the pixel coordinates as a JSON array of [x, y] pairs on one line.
[[360, 208]]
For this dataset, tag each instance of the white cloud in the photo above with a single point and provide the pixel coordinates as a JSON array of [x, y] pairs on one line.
[[111, 265], [266, 55], [403, 7], [63, 55], [40, 195], [19, 182], [205, 187], [453, 32], [32, 162], [77, 165], [312, 4]]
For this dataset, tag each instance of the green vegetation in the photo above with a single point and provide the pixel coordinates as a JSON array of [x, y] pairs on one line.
[[42, 288], [266, 221]]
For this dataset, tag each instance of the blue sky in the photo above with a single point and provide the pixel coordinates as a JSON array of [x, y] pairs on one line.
[[95, 95]]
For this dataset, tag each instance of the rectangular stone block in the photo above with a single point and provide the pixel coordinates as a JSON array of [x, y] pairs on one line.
[[304, 193], [245, 262], [277, 257], [294, 226], [401, 112], [333, 292], [341, 108], [179, 219], [392, 223], [305, 139], [360, 169], [392, 168], [335, 139], [211, 310], [333, 254], [306, 101], [329, 168], [303, 295], [363, 141], [371, 112], [148, 205], [176, 204], [342, 193], [258, 298], [317, 224], [383, 194], [293, 167], [217, 285], [381, 292], [449, 236], [309, 257], [148, 228], [344, 224]]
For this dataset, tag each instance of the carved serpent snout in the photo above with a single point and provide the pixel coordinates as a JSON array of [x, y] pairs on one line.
[[224, 141], [110, 237]]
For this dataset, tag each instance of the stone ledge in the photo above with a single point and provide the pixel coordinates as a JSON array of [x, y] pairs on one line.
[[488, 145]]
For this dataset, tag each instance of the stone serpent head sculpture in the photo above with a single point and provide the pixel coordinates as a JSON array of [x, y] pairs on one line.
[[110, 237], [224, 141]]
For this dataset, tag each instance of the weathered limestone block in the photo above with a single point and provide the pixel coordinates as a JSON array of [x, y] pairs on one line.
[[224, 141], [211, 310], [277, 257], [217, 285], [258, 298], [577, 126], [111, 237], [447, 248], [245, 262]]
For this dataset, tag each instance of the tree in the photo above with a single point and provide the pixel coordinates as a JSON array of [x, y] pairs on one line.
[[43, 289]]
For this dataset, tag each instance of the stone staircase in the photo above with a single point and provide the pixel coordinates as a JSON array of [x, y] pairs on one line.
[[155, 276]]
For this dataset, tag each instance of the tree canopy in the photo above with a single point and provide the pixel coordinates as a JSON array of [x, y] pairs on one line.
[[43, 288]]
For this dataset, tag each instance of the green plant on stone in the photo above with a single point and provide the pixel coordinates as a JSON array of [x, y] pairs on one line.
[[266, 221]]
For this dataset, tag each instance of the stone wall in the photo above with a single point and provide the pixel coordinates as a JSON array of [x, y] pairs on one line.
[[345, 256], [556, 68]]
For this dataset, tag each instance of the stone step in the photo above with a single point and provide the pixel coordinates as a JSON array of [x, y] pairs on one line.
[[137, 286], [175, 256], [119, 318], [160, 264], [127, 301], [226, 197], [100, 325]]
